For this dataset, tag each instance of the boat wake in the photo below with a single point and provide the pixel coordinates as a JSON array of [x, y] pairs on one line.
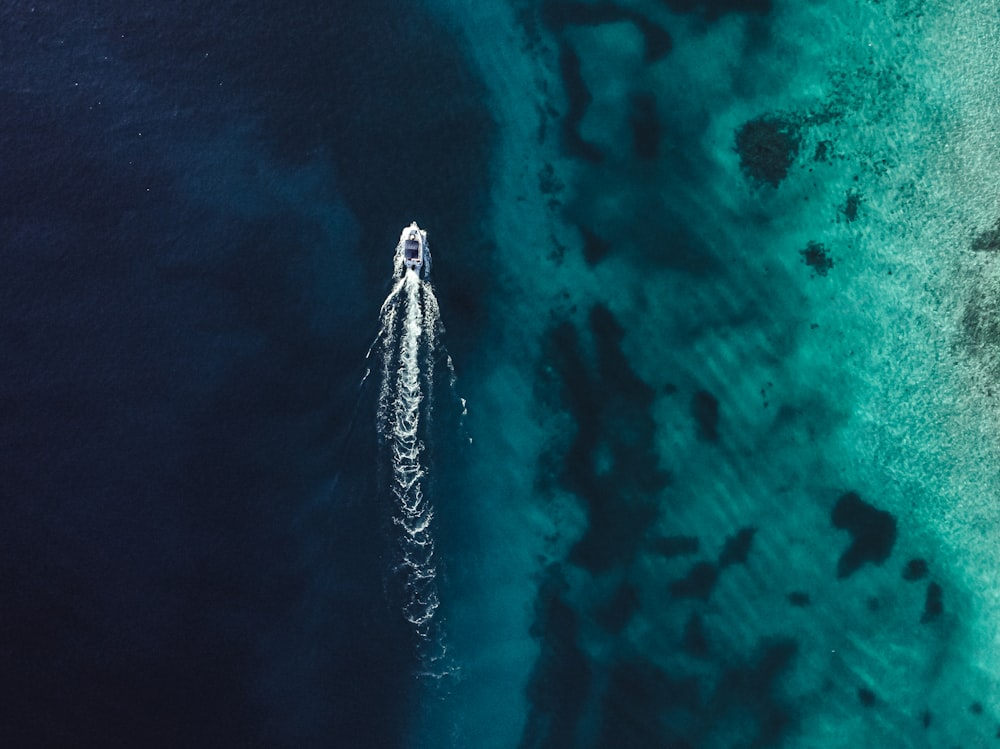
[[409, 341]]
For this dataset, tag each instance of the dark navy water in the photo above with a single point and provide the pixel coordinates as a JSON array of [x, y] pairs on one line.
[[198, 204]]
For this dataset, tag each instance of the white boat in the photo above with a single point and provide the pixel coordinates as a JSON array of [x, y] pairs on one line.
[[415, 254]]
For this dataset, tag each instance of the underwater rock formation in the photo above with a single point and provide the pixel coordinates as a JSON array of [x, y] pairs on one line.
[[933, 604], [873, 533], [737, 547], [767, 147], [816, 257], [705, 410], [916, 569]]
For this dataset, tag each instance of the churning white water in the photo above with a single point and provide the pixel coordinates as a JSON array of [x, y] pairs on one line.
[[409, 341]]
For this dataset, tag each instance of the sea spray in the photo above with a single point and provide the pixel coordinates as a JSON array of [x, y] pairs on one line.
[[409, 339]]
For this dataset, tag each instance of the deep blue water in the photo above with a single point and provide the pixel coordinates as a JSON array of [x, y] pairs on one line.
[[199, 202]]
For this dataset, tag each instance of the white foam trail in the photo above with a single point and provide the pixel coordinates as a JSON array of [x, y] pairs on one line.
[[409, 337], [415, 512]]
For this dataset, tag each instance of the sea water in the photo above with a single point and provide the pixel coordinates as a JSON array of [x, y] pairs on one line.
[[721, 291], [734, 468], [199, 206]]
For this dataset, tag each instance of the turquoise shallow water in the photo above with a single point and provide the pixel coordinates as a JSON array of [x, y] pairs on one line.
[[732, 479]]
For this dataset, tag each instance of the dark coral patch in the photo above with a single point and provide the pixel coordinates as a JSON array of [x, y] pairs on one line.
[[579, 98], [915, 569], [737, 548], [873, 533], [675, 546], [638, 697], [560, 682], [976, 708], [987, 241], [767, 147], [866, 697], [612, 463], [699, 583], [647, 707], [926, 718], [595, 248], [558, 14], [705, 410], [657, 38], [695, 641], [799, 598], [548, 182], [823, 149], [851, 205], [646, 127], [816, 257], [752, 687], [981, 328], [715, 9], [613, 528], [933, 604], [619, 609]]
